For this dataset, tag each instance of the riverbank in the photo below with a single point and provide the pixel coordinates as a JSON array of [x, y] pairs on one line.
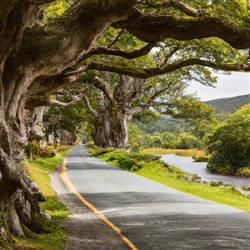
[[187, 164]]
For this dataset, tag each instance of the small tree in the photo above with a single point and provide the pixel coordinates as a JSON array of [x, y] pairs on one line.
[[230, 144]]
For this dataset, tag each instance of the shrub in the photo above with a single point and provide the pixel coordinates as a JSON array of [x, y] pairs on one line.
[[200, 158], [244, 172], [246, 188], [229, 144], [34, 150], [188, 142]]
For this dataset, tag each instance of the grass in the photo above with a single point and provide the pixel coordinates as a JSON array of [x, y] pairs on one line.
[[221, 194], [181, 152], [171, 176], [56, 239]]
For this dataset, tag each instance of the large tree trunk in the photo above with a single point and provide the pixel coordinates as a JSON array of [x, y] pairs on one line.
[[112, 124], [19, 194], [112, 130]]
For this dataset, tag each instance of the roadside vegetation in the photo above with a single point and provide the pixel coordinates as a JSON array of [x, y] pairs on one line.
[[54, 237], [181, 152], [152, 167]]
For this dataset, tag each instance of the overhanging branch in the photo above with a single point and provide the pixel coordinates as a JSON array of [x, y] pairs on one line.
[[150, 72], [149, 27], [118, 52]]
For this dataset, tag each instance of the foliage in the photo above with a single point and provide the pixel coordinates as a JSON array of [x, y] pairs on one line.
[[129, 161], [244, 172], [33, 149], [201, 158], [56, 9], [229, 144], [71, 119], [188, 142]]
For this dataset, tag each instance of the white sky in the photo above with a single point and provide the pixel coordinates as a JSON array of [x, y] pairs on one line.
[[227, 86]]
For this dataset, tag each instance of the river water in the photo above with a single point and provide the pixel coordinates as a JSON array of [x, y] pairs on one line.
[[187, 164]]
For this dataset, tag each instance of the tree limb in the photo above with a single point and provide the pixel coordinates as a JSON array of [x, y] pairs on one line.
[[179, 5], [116, 39], [170, 54], [149, 72], [118, 52], [56, 103], [102, 85], [149, 27], [94, 112]]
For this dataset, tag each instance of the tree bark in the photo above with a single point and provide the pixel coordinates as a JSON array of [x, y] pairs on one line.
[[114, 113], [15, 184], [112, 129]]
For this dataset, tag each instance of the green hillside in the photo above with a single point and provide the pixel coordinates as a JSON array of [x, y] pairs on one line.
[[229, 105]]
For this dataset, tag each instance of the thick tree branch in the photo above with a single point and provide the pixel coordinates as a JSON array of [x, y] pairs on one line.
[[149, 27], [103, 86], [58, 46], [149, 72], [56, 103], [94, 112], [138, 110], [179, 5], [118, 52], [170, 54]]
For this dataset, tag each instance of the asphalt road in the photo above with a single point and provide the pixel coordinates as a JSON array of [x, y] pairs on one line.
[[149, 214]]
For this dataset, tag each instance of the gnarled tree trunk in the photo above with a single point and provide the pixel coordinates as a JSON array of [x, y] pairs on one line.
[[15, 184], [114, 116], [33, 64]]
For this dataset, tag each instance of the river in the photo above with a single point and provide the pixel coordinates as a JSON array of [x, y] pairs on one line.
[[187, 164]]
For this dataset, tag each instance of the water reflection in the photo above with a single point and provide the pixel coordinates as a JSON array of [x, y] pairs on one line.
[[188, 165]]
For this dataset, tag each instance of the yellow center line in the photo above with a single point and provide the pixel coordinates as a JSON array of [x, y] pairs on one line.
[[72, 188]]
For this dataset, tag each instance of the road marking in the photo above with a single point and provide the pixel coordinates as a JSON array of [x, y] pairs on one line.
[[72, 188]]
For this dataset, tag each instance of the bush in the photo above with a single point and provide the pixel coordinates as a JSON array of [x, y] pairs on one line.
[[200, 158], [244, 172], [229, 144], [34, 150], [188, 142]]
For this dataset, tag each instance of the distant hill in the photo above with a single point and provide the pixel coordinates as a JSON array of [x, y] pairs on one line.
[[230, 105], [168, 124]]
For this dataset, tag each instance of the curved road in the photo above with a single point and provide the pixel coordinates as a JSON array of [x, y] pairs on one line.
[[149, 214]]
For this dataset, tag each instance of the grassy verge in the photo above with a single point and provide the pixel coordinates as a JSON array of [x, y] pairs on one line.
[[56, 239], [222, 194], [155, 169], [181, 152]]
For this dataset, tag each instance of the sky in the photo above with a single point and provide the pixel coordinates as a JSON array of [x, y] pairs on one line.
[[227, 86]]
